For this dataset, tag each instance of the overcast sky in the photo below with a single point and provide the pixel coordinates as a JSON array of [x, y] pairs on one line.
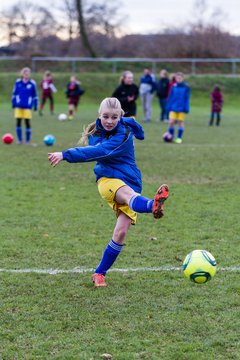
[[153, 15], [146, 16]]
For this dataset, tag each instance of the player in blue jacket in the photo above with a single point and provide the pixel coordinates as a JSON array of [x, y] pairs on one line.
[[119, 181], [24, 98], [178, 106]]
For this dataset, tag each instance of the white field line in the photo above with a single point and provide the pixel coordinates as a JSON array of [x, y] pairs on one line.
[[213, 145], [79, 270], [194, 145]]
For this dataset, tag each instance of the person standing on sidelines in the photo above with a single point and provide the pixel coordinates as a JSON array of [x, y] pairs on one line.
[[24, 98], [127, 93], [178, 106], [162, 93], [217, 103], [47, 90], [146, 90], [111, 146]]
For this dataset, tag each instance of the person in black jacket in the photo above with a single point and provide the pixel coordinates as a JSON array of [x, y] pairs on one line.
[[127, 94], [162, 93]]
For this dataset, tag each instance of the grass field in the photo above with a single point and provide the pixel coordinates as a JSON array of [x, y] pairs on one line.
[[55, 219]]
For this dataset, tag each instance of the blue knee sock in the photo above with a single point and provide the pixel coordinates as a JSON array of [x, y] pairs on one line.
[[109, 256], [180, 131], [19, 133], [141, 204], [28, 134], [171, 130]]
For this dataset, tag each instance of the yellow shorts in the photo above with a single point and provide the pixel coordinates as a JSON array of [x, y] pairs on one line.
[[22, 113], [180, 116], [107, 188]]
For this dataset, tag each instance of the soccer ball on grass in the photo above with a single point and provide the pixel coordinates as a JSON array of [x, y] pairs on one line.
[[62, 117], [49, 140], [7, 138], [167, 137], [199, 266]]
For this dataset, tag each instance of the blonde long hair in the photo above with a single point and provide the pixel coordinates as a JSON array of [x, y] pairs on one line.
[[110, 103], [124, 75]]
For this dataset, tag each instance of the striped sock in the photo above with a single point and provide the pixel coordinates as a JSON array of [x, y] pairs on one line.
[[141, 204], [109, 256]]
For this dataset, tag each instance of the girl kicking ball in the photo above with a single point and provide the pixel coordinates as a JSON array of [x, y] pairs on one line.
[[119, 181]]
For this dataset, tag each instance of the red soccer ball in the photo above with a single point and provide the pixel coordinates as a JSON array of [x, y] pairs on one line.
[[7, 138]]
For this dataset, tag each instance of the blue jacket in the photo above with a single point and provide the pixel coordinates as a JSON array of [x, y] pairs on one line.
[[179, 98], [113, 151], [24, 95], [148, 80]]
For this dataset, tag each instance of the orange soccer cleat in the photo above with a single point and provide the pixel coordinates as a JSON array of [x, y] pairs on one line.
[[98, 280], [159, 199]]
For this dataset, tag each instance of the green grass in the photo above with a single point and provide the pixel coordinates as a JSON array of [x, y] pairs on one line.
[[55, 218]]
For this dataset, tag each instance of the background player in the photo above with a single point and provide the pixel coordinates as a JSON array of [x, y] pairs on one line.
[[24, 98], [73, 92], [178, 106], [47, 90]]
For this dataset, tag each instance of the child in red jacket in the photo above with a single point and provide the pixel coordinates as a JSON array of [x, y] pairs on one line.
[[47, 90], [217, 103]]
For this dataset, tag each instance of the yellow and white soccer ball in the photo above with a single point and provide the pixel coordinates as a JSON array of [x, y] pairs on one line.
[[199, 266], [62, 117]]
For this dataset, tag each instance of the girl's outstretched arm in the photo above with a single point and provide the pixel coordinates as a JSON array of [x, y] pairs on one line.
[[55, 158]]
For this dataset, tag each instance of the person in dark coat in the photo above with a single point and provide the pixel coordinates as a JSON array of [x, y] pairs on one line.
[[127, 93], [217, 103], [162, 93]]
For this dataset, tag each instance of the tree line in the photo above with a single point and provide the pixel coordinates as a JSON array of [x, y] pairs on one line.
[[95, 29]]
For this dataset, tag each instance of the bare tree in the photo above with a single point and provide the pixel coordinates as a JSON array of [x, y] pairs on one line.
[[26, 20], [66, 15], [70, 12], [96, 19], [205, 18], [82, 28], [104, 18]]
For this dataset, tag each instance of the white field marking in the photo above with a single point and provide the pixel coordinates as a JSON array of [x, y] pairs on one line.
[[79, 270], [212, 145], [193, 146]]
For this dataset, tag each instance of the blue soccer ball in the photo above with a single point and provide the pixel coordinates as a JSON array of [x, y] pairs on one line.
[[49, 140]]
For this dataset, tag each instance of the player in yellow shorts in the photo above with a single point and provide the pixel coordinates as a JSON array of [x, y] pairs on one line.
[[111, 145], [178, 106], [24, 98]]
